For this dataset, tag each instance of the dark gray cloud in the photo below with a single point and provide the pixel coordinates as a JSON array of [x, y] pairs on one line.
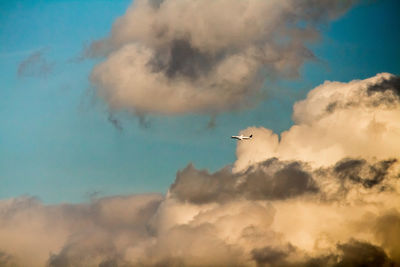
[[35, 65], [362, 172], [156, 3], [183, 60], [272, 179], [385, 92], [388, 84], [199, 186], [290, 179], [268, 256], [331, 107], [353, 253], [356, 253], [277, 180]]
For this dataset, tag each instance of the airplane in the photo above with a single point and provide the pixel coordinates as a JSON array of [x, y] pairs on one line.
[[241, 137]]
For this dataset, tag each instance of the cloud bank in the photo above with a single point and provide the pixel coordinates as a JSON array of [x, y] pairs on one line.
[[178, 56], [326, 204]]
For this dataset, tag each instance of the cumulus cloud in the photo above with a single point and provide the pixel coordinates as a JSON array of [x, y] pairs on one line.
[[73, 235], [338, 209], [179, 56], [35, 65], [358, 119]]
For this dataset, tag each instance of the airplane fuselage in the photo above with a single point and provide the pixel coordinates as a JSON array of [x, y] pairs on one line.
[[241, 137]]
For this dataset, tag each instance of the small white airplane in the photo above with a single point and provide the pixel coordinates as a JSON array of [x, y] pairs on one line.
[[241, 137]]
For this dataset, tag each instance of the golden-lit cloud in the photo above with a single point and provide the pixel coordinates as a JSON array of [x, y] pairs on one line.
[[177, 56], [293, 204], [336, 120]]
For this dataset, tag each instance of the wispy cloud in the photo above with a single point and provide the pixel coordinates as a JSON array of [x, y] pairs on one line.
[[35, 65], [115, 122]]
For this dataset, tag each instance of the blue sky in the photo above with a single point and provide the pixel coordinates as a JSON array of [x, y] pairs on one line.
[[57, 144]]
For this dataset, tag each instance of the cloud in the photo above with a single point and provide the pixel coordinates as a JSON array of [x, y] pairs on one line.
[[270, 256], [363, 254], [352, 253], [115, 122], [275, 209], [359, 171], [387, 230], [35, 65], [73, 235], [358, 119], [391, 83], [6, 259], [177, 57], [269, 180]]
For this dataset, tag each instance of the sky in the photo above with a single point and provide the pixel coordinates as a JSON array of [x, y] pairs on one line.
[[57, 142], [116, 118]]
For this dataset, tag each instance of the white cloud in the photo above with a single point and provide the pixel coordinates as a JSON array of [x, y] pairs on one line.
[[336, 120], [294, 210], [178, 56]]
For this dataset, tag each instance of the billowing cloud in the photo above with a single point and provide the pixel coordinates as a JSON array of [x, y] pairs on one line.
[[180, 56], [73, 235], [35, 65], [320, 208], [335, 121]]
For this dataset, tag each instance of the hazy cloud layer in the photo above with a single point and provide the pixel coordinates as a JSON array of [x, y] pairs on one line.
[[338, 210], [209, 56], [35, 65]]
